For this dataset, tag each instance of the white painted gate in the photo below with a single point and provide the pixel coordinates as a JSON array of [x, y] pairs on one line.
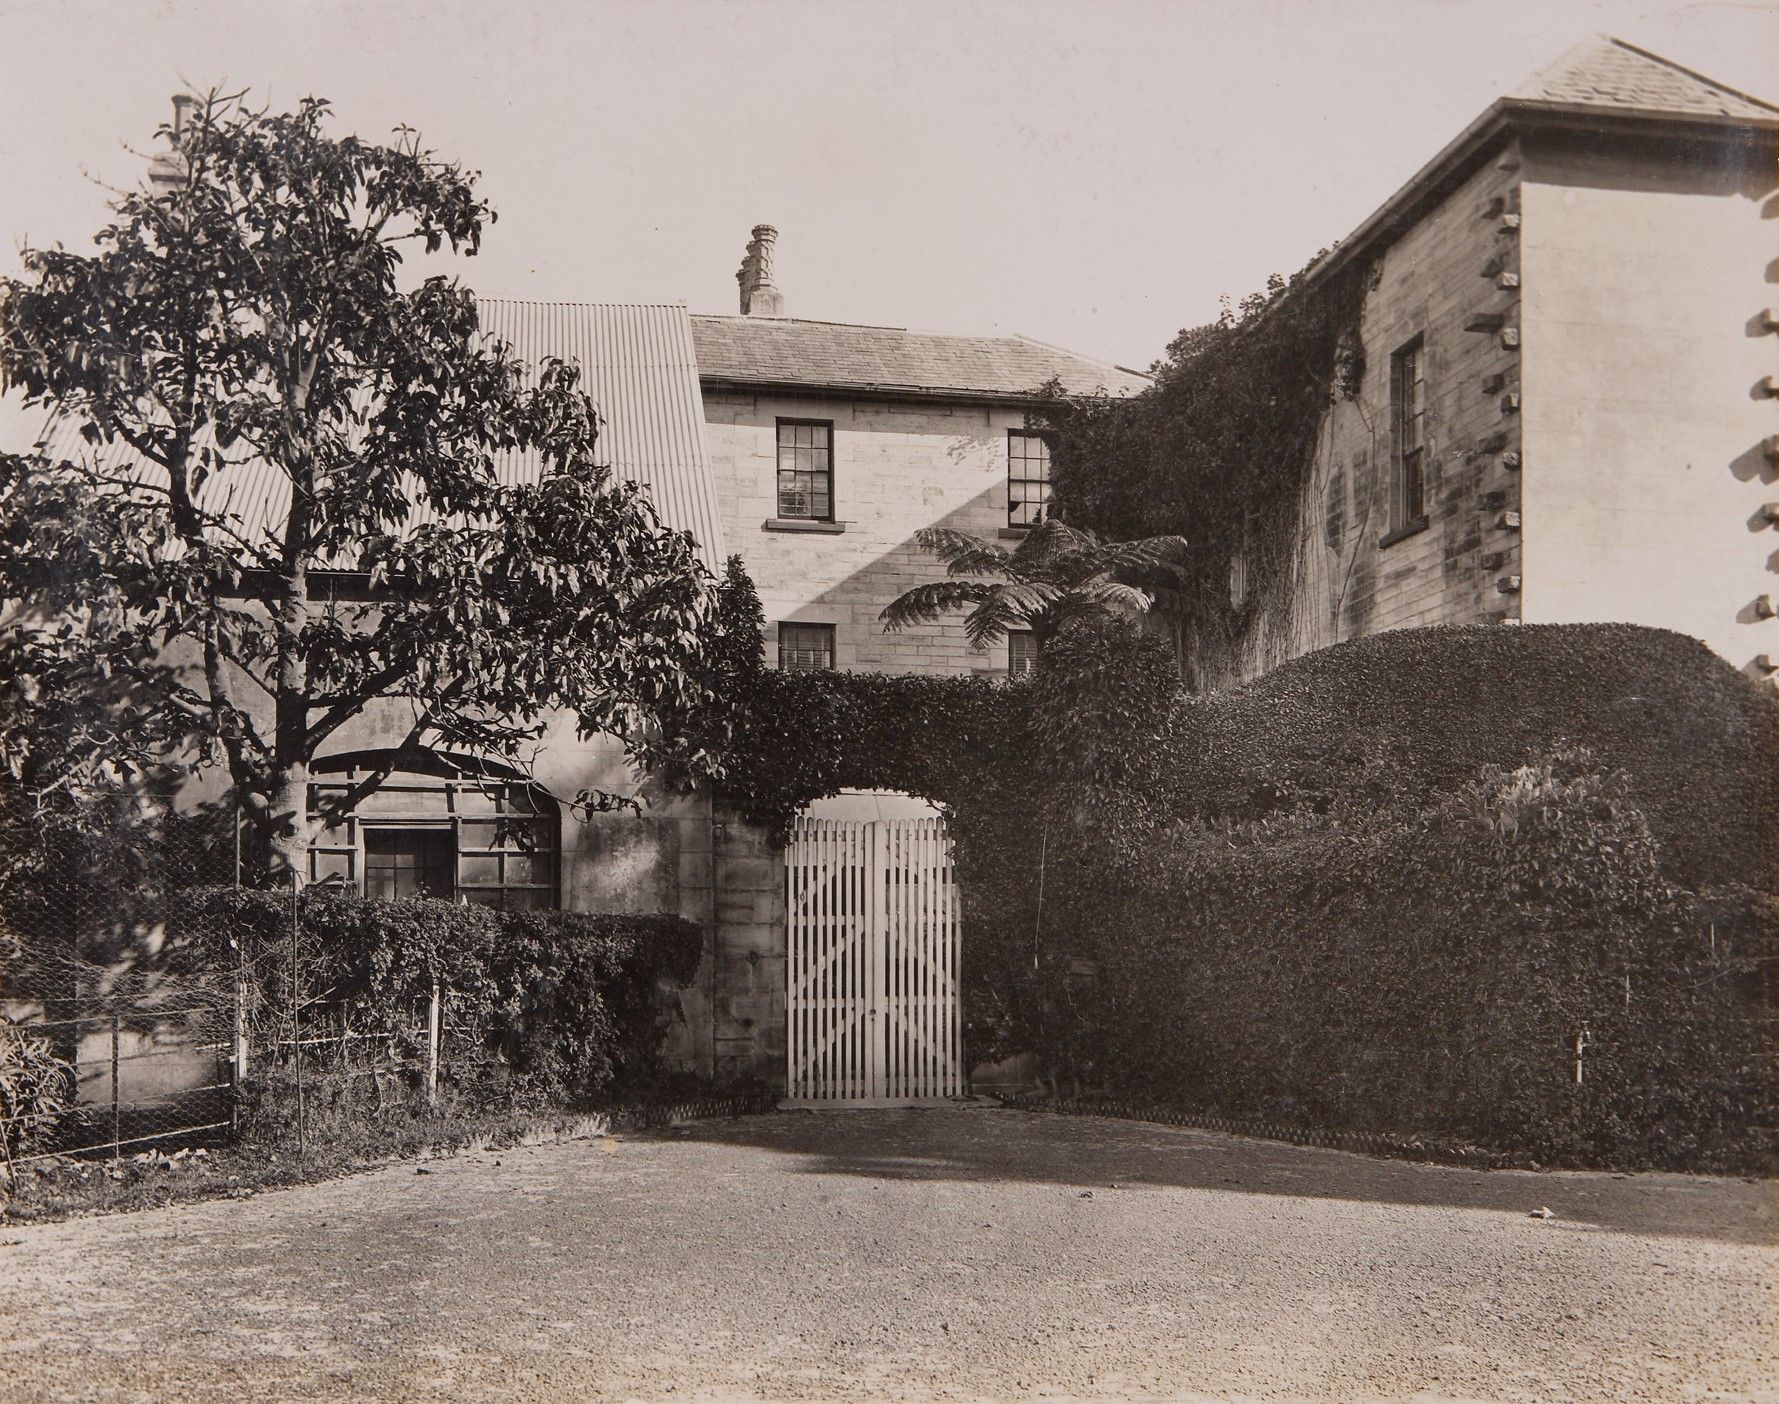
[[873, 962]]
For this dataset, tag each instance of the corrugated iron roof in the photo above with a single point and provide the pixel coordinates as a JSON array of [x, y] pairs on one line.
[[787, 351], [641, 369], [1607, 72], [638, 365]]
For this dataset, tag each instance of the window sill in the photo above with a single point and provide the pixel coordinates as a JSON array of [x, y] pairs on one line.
[[1403, 532], [802, 524], [1013, 533]]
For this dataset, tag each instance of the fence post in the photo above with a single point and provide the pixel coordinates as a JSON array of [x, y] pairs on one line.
[[240, 1052], [296, 1023], [432, 1044], [116, 1065]]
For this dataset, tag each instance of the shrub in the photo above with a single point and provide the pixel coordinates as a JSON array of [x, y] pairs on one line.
[[1384, 888], [1423, 968], [1698, 741], [36, 1087], [546, 1008]]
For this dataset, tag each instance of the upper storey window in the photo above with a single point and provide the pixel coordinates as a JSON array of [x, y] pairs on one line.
[[806, 469], [1408, 418], [1028, 478]]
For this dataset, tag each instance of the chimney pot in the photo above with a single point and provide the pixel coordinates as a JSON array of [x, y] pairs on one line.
[[166, 169], [760, 296]]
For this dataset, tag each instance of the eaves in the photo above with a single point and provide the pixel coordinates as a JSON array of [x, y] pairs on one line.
[[901, 393], [1510, 118]]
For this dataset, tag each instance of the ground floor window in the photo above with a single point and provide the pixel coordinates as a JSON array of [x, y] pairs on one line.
[[805, 648], [409, 863], [459, 837]]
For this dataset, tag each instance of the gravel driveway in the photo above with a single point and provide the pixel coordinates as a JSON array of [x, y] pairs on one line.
[[962, 1253]]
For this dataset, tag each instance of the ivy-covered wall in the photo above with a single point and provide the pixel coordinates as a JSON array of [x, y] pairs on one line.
[[1268, 442]]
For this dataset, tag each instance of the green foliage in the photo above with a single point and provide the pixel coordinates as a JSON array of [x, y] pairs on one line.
[[258, 402], [550, 1008], [726, 672], [1386, 966], [1099, 702], [1698, 741], [1056, 574], [800, 736], [36, 1087], [1382, 889], [1219, 449]]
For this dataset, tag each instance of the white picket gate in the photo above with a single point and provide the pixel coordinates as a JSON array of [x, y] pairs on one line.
[[873, 962]]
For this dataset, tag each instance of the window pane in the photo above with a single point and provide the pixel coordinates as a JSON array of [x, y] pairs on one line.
[[478, 867], [805, 647], [531, 867], [331, 865]]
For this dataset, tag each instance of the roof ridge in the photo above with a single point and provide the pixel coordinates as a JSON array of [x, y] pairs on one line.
[[805, 321], [1692, 73], [1080, 355], [574, 302]]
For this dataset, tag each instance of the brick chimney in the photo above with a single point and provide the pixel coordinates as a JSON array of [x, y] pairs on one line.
[[167, 168], [760, 297]]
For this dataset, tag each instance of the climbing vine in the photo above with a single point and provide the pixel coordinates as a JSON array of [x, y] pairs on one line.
[[1220, 448]]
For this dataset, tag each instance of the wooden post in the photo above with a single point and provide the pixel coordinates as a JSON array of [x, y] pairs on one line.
[[116, 1066], [432, 1044], [296, 1027], [239, 1061]]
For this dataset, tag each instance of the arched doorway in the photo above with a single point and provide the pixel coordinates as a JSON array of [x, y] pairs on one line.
[[872, 1010]]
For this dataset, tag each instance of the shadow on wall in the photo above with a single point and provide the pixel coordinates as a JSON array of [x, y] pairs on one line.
[[877, 575], [989, 1145]]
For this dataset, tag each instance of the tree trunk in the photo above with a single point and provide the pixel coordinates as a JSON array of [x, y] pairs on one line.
[[290, 827]]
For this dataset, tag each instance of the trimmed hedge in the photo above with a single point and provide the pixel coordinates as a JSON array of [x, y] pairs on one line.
[[1698, 741], [1382, 890], [547, 1008]]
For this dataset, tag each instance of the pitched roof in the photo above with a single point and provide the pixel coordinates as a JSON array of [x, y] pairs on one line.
[[790, 352], [640, 368], [638, 365], [1600, 85], [1607, 72]]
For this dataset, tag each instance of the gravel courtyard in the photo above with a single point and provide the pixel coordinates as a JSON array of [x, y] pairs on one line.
[[960, 1253]]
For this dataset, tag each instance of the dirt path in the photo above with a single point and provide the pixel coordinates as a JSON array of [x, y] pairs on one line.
[[958, 1253]]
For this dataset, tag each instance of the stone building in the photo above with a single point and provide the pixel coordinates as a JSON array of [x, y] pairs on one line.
[[831, 444], [814, 450], [1568, 411]]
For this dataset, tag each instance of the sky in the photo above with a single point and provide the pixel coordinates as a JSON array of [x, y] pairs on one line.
[[1095, 175]]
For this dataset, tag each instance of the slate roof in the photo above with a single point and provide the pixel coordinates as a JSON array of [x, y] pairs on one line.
[[1601, 84], [638, 364], [843, 356], [1609, 73]]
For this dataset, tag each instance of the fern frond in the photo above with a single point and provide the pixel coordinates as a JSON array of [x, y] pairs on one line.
[[926, 603], [1114, 595], [949, 546]]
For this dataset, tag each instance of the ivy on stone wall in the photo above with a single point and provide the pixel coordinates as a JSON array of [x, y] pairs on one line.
[[1221, 447]]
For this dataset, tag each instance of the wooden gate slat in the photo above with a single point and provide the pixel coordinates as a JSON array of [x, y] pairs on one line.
[[871, 961]]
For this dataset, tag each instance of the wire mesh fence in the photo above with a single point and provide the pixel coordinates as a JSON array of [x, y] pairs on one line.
[[143, 1064], [111, 1041], [153, 993]]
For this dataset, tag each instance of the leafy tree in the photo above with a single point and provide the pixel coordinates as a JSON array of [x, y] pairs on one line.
[[268, 498], [1056, 573]]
